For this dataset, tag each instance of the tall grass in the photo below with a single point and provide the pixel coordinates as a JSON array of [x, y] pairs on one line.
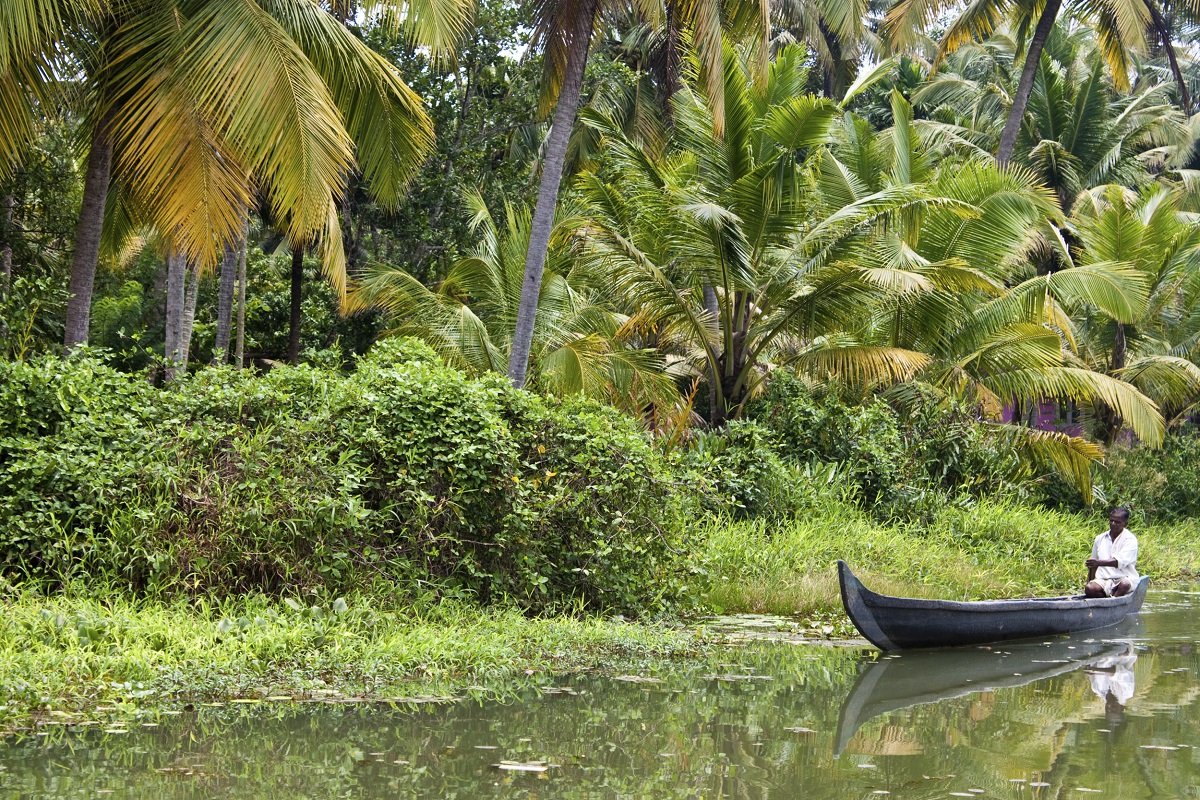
[[992, 549]]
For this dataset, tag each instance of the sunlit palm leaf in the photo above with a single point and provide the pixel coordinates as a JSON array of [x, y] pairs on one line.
[[439, 25], [385, 118], [277, 112], [1070, 456], [1138, 410]]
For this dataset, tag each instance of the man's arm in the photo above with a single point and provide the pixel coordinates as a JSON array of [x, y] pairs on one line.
[[1093, 563]]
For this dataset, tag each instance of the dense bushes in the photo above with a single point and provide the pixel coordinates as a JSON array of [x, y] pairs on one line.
[[906, 463], [406, 477], [404, 472], [1155, 483]]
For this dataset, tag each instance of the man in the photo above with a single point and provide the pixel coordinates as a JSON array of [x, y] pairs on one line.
[[1112, 569]]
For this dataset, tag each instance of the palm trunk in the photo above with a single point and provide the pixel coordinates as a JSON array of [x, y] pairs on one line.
[[191, 292], [829, 76], [229, 268], [87, 238], [672, 62], [6, 232], [1164, 34], [547, 201], [176, 299], [1119, 348], [1012, 126], [716, 403], [293, 351], [239, 349]]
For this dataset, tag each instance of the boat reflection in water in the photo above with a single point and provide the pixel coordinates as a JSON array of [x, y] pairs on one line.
[[918, 677]]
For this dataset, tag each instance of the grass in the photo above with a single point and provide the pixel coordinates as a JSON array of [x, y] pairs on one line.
[[67, 657], [985, 551]]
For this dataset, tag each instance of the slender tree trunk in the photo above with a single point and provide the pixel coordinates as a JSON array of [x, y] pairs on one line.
[[547, 201], [1119, 348], [176, 300], [239, 350], [229, 268], [293, 351], [672, 62], [6, 233], [716, 411], [1164, 34], [1012, 126], [191, 292], [87, 238], [829, 76]]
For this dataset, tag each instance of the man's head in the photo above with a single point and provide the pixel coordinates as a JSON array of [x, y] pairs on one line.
[[1118, 518]]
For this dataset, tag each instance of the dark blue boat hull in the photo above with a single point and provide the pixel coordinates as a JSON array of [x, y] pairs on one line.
[[901, 623]]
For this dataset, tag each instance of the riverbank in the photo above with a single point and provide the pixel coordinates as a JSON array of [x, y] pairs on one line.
[[986, 550], [70, 659], [73, 657]]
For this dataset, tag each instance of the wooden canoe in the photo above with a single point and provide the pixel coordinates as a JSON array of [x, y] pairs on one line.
[[902, 623]]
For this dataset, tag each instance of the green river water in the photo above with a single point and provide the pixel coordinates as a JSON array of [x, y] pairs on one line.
[[1113, 713]]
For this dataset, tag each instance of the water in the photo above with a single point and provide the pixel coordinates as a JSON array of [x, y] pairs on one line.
[[1111, 713]]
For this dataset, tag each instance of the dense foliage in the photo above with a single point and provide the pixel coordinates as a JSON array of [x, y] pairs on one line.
[[403, 473], [408, 476], [825, 252]]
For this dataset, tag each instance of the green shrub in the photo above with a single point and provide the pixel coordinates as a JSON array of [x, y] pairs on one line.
[[737, 471], [908, 463], [404, 473], [1155, 483]]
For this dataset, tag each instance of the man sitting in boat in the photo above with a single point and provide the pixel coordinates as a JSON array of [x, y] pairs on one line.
[[1112, 569]]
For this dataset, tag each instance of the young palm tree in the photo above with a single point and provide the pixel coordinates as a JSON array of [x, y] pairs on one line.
[[989, 334], [580, 346], [1151, 346], [758, 247], [564, 31]]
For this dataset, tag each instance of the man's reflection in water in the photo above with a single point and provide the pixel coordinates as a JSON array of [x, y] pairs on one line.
[[1113, 682]]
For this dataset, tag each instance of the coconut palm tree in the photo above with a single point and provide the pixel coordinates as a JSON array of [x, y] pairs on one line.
[[580, 346], [839, 33], [990, 334], [1079, 132], [742, 252], [563, 31], [195, 106], [1152, 346], [1120, 27]]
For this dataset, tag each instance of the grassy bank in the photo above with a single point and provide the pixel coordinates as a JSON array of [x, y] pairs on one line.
[[73, 657], [68, 658], [985, 551]]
